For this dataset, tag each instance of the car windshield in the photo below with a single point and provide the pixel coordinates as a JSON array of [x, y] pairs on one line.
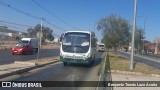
[[24, 42], [101, 45], [20, 45], [76, 42]]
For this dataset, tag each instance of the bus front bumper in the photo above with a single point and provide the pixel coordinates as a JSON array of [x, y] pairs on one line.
[[71, 60]]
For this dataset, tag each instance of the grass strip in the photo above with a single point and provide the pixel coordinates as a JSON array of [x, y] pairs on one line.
[[120, 63]]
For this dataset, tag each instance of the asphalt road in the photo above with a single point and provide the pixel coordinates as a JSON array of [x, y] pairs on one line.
[[142, 60], [6, 57], [155, 56], [59, 72]]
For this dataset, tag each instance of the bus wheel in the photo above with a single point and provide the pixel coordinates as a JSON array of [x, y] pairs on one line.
[[65, 63]]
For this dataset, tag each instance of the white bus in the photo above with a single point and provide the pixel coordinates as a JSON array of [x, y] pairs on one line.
[[77, 47]]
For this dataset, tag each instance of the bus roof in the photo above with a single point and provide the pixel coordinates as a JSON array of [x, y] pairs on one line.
[[79, 31]]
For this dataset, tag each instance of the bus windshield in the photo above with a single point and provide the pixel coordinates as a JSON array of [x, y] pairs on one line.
[[76, 42]]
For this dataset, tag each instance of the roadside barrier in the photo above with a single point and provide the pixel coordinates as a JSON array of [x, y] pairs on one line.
[[102, 76]]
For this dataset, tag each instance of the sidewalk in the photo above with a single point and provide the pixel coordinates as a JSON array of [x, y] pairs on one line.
[[20, 67], [129, 77]]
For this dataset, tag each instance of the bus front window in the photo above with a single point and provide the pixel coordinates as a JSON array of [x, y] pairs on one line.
[[76, 42]]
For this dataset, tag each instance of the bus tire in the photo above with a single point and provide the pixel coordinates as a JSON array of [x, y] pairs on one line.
[[93, 59], [65, 63]]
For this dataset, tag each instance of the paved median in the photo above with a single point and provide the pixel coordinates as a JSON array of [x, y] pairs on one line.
[[20, 67]]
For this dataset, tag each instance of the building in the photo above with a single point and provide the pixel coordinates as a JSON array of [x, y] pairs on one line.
[[152, 47]]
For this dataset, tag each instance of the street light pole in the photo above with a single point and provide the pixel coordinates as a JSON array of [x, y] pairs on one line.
[[133, 32]]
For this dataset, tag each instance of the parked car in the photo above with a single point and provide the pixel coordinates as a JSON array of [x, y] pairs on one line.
[[22, 49]]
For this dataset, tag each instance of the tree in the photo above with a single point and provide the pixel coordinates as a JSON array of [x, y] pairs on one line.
[[115, 31], [46, 32], [139, 36], [94, 42]]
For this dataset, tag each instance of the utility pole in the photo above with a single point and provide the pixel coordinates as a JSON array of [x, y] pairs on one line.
[[133, 32], [144, 27], [156, 46], [40, 39], [41, 33]]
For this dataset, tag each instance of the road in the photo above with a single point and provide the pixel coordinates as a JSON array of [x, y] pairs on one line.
[[155, 56], [142, 60], [6, 57], [59, 72]]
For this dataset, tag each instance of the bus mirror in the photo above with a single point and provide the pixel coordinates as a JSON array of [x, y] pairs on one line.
[[60, 39]]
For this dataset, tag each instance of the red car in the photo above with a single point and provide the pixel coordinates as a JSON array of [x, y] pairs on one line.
[[22, 49]]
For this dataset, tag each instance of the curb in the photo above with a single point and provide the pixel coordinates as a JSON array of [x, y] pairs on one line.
[[134, 73], [126, 72], [28, 63], [25, 70]]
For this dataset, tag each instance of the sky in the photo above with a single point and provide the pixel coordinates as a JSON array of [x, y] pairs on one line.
[[82, 14]]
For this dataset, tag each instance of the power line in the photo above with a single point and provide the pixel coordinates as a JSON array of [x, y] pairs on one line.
[[16, 23], [51, 13], [25, 13], [54, 25], [17, 10]]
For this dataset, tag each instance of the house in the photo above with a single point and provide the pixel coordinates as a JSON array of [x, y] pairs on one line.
[[152, 46]]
